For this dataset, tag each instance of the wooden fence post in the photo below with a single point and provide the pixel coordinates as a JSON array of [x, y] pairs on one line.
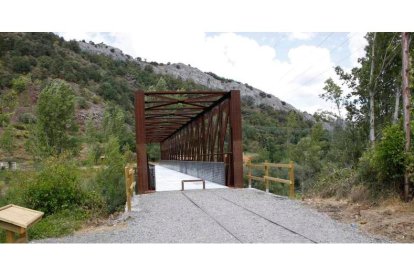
[[249, 167], [292, 180], [126, 183], [266, 167]]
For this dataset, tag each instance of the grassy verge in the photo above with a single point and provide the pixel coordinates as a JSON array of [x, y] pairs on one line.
[[55, 225], [68, 196]]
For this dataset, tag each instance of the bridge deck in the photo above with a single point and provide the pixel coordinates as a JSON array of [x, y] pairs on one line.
[[222, 216], [170, 180]]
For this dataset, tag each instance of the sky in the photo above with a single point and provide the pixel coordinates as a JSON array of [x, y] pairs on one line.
[[292, 66]]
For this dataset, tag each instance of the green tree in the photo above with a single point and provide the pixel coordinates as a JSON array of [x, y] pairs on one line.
[[114, 124], [22, 64], [56, 123], [93, 137], [20, 83], [110, 179], [309, 154], [160, 86], [291, 126], [383, 83], [333, 93]]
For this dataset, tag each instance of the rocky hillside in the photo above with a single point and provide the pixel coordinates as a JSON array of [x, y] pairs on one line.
[[207, 79], [104, 79]]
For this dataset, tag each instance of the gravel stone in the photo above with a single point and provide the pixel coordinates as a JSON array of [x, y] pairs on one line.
[[221, 216]]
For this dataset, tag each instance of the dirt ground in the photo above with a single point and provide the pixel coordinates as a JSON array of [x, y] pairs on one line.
[[114, 221], [390, 218]]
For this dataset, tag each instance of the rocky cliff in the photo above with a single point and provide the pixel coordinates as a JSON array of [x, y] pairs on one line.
[[207, 79]]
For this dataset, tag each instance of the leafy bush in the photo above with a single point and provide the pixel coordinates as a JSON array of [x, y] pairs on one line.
[[110, 180], [382, 167], [149, 68], [366, 169], [27, 118], [389, 157], [73, 45], [335, 182], [82, 103], [55, 188], [19, 126], [22, 64], [5, 78], [4, 119], [20, 84], [96, 99]]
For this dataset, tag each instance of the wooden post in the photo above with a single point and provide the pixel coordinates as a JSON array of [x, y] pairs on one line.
[[266, 168], [236, 140], [23, 237], [142, 163], [127, 184], [292, 180], [406, 105], [130, 191], [9, 236], [249, 167]]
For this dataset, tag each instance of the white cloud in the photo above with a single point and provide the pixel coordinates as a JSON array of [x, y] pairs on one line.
[[357, 43], [301, 36], [298, 80]]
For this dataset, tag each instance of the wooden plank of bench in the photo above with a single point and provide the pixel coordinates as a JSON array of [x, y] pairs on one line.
[[19, 216]]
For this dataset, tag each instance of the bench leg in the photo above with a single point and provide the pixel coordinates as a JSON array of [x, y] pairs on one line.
[[24, 237], [9, 236]]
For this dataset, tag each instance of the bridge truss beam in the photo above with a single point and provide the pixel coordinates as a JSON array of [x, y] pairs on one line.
[[190, 126]]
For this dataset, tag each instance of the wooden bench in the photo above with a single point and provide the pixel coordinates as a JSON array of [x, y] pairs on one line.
[[193, 180], [16, 219]]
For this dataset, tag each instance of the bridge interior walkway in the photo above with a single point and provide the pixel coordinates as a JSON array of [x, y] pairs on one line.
[[170, 180]]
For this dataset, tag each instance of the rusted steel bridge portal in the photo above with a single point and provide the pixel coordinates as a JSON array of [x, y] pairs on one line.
[[196, 126]]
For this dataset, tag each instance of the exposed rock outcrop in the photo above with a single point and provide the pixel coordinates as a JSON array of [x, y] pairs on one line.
[[207, 79]]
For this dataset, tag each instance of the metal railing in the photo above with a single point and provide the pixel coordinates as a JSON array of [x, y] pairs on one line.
[[267, 178]]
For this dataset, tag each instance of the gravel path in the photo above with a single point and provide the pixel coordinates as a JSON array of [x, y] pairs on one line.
[[222, 216]]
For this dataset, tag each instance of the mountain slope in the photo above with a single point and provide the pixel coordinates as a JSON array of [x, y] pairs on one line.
[[102, 76], [206, 79]]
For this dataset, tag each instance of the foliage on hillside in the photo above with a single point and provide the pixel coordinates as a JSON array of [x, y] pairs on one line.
[[29, 61], [346, 160], [268, 133]]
